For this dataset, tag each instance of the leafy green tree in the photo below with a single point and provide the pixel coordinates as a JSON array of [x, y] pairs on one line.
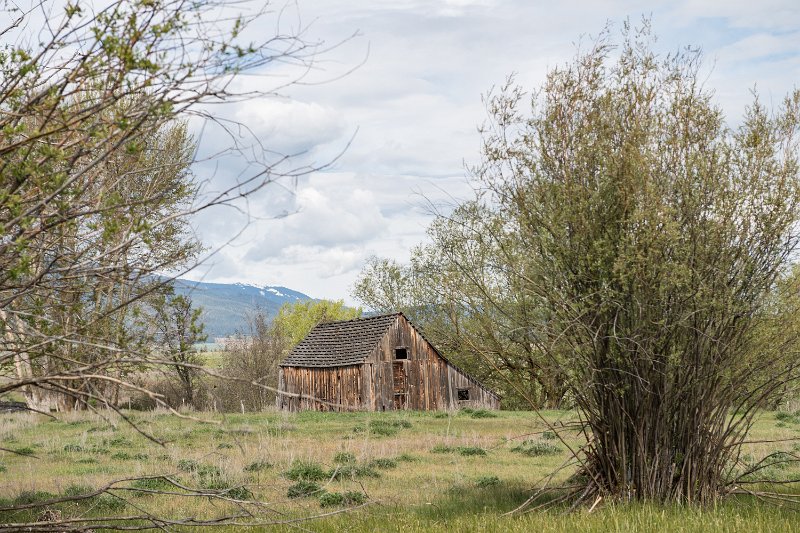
[[654, 236], [110, 257], [96, 192], [462, 289], [627, 251], [295, 320]]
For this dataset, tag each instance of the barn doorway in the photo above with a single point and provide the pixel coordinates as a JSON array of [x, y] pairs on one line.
[[400, 385]]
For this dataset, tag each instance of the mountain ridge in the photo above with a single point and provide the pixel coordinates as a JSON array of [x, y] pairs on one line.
[[228, 307]]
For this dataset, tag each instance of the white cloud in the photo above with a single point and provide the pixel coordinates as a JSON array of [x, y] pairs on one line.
[[416, 104], [289, 126], [324, 216], [760, 46], [766, 14]]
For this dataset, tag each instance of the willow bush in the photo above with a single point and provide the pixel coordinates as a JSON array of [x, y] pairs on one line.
[[655, 236]]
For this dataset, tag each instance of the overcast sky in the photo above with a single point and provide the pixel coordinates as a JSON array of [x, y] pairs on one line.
[[412, 106]]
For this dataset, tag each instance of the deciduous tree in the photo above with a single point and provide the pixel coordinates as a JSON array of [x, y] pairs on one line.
[[654, 234], [96, 190], [294, 321]]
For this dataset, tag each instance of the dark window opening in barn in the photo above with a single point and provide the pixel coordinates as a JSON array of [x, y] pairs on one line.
[[463, 395], [400, 353]]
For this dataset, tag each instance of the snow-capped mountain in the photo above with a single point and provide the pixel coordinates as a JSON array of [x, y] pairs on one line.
[[227, 307]]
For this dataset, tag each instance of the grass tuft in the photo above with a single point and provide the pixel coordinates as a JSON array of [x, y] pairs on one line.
[[383, 462], [342, 499], [303, 489], [344, 458], [477, 413], [77, 490], [202, 470], [784, 416], [470, 450], [534, 448], [461, 450], [351, 471], [305, 471], [258, 466], [153, 483], [29, 497], [487, 481]]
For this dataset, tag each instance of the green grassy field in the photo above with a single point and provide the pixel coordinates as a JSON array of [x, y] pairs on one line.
[[413, 471]]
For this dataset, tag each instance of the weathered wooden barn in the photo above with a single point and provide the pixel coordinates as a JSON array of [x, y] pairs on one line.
[[377, 363]]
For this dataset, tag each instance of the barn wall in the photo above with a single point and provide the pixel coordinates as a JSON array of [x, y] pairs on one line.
[[479, 397], [424, 381], [338, 385]]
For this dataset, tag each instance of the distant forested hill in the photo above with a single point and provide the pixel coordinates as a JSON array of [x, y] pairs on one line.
[[227, 307]]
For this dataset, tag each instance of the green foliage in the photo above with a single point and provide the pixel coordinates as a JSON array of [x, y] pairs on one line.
[[442, 448], [295, 320], [28, 497], [487, 481], [352, 471], [188, 465], [200, 469], [477, 413], [384, 428], [342, 499], [383, 463], [97, 195], [77, 490], [225, 489], [535, 448], [627, 251], [101, 502], [179, 329], [305, 471], [154, 484], [461, 450], [118, 441], [130, 456], [470, 450], [344, 458], [303, 489], [107, 503], [783, 416], [258, 466]]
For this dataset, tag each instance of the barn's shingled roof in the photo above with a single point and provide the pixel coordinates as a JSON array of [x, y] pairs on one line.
[[343, 343]]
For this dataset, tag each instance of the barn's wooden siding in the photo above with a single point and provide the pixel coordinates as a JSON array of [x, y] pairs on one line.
[[431, 383], [479, 396], [339, 385], [423, 381]]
